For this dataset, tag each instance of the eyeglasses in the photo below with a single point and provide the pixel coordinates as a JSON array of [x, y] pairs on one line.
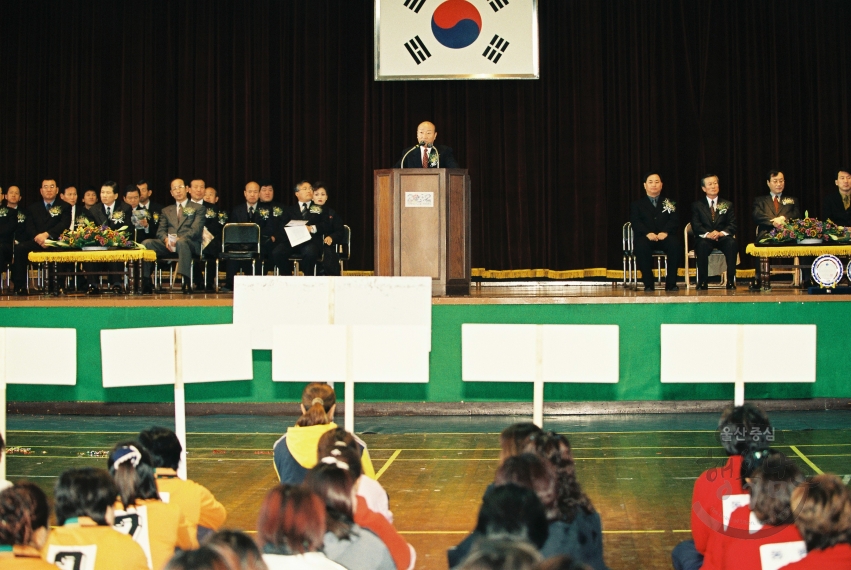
[[49, 186], [178, 188]]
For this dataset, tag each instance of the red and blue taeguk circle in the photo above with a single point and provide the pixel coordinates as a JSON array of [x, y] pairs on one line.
[[456, 24]]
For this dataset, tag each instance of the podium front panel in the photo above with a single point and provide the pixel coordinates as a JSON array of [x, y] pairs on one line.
[[419, 231]]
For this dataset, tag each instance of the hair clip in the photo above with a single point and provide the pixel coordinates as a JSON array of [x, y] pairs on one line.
[[125, 454], [335, 462], [318, 401]]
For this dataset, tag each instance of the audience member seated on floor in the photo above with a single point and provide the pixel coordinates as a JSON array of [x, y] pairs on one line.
[[371, 490], [512, 441], [822, 509], [4, 484], [290, 530], [740, 429], [158, 527], [561, 563], [767, 519], [346, 542], [507, 511], [204, 558], [345, 457], [84, 537], [577, 531], [295, 451], [502, 554], [203, 512], [240, 544], [23, 528]]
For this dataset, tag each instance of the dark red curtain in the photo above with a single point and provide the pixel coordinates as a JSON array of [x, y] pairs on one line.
[[231, 91]]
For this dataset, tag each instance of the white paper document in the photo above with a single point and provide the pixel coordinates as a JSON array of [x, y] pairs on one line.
[[297, 232]]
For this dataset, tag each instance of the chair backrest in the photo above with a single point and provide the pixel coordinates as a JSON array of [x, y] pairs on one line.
[[627, 237], [344, 249], [242, 234]]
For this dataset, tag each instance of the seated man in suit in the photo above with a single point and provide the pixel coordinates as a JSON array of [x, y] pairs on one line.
[[213, 222], [184, 221], [656, 226], [145, 203], [79, 216], [303, 209], [429, 155], [773, 211], [246, 213], [836, 206], [141, 225], [8, 225], [714, 225], [268, 208], [113, 214], [46, 219]]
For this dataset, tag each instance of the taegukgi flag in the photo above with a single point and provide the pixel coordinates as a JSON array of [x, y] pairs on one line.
[[456, 39]]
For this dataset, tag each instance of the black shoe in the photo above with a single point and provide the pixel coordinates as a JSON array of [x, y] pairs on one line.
[[225, 289], [21, 291], [731, 285], [702, 286], [92, 290], [649, 287], [671, 288], [755, 286], [147, 287], [117, 289], [186, 289]]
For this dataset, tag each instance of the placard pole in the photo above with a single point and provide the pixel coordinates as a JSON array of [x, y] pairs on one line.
[[739, 391], [538, 386], [349, 394], [179, 402]]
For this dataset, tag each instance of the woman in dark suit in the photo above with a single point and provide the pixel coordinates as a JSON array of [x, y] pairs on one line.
[[330, 264], [8, 226]]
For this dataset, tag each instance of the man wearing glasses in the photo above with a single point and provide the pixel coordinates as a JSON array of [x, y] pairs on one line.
[[180, 229], [46, 220]]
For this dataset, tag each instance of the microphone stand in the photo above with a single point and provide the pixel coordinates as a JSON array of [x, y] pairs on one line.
[[404, 156]]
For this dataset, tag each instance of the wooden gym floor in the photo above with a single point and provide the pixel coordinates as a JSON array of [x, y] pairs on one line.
[[638, 470]]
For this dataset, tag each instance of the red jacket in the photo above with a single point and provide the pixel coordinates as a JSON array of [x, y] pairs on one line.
[[833, 558], [709, 491], [400, 551], [738, 548]]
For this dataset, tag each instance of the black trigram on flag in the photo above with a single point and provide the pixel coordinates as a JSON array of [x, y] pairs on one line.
[[496, 48], [417, 49], [497, 5], [415, 5]]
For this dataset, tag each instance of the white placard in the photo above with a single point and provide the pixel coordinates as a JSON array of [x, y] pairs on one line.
[[498, 353], [730, 503], [390, 353], [419, 199], [41, 356], [715, 354], [204, 346], [457, 39], [121, 369], [262, 302], [780, 554], [581, 353], [309, 353]]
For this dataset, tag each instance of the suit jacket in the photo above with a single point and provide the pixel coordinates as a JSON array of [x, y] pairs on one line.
[[415, 159], [39, 220], [82, 215], [8, 225], [214, 221], [701, 217], [21, 228], [189, 229], [333, 226], [832, 209], [274, 225], [763, 211], [647, 219], [121, 214]]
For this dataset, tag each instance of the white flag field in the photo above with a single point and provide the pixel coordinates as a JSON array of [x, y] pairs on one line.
[[456, 39]]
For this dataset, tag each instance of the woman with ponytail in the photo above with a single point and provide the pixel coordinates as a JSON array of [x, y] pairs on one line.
[[296, 451], [158, 527]]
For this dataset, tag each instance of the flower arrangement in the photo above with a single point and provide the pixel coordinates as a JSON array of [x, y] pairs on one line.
[[807, 228], [90, 234]]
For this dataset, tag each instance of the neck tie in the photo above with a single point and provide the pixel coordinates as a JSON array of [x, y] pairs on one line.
[[846, 200], [108, 213], [653, 201], [47, 206], [179, 214], [776, 206], [304, 212], [712, 207], [425, 157], [251, 213]]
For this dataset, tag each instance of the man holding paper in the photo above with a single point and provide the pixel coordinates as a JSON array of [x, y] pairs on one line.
[[297, 231], [180, 229]]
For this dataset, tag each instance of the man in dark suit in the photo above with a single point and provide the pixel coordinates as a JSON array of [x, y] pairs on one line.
[[8, 226], [714, 224], [775, 209], [79, 215], [113, 214], [46, 220], [154, 209], [656, 227], [303, 209], [214, 220], [268, 208], [836, 206], [185, 222], [428, 155], [245, 213]]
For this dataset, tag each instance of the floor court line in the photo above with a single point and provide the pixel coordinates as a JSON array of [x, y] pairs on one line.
[[387, 464], [806, 460]]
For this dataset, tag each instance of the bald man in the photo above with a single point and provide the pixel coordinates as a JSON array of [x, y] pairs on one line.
[[426, 154]]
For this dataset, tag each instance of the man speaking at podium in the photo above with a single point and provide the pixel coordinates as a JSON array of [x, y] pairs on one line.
[[426, 154]]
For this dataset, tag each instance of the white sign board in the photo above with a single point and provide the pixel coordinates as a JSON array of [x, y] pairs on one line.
[[40, 356], [120, 369], [309, 353], [216, 353]]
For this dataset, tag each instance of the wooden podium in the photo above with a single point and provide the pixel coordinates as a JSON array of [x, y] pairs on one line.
[[422, 226]]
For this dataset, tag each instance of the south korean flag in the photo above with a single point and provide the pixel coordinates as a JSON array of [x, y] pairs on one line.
[[456, 39]]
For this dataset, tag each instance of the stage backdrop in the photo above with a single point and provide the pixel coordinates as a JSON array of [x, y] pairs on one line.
[[237, 90]]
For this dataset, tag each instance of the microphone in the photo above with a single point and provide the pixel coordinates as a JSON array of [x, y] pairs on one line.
[[409, 152]]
